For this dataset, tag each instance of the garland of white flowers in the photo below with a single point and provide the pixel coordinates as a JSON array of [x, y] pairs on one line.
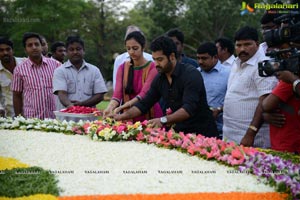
[[209, 148], [47, 125]]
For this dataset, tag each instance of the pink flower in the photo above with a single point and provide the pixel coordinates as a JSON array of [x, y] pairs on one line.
[[173, 142], [169, 111], [186, 143], [203, 151], [250, 151], [86, 126], [233, 161], [144, 123], [120, 129], [209, 155], [165, 144], [181, 134], [236, 153], [178, 143], [78, 132], [169, 134], [191, 151], [140, 136]]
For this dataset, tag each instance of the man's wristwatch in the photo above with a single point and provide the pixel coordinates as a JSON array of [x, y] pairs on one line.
[[164, 120]]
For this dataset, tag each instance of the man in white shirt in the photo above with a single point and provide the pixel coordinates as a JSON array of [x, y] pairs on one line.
[[243, 120], [225, 49], [76, 82], [7, 65], [120, 59]]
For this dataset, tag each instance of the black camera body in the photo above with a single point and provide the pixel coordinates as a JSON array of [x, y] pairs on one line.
[[276, 63], [290, 32], [284, 59]]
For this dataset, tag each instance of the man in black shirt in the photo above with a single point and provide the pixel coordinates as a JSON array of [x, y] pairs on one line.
[[182, 89]]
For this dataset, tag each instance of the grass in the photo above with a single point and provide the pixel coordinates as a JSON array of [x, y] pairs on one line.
[[20, 182]]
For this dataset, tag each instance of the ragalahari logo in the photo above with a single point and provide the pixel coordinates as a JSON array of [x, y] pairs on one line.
[[246, 8]]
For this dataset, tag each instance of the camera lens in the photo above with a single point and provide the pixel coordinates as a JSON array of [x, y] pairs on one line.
[[272, 37]]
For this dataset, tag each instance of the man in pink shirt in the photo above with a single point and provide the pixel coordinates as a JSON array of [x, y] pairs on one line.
[[32, 81]]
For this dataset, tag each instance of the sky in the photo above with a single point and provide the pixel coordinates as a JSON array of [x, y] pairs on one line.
[[130, 3]]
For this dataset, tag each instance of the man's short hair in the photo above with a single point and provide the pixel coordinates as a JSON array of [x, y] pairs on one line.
[[57, 44], [246, 33], [74, 38], [207, 47], [175, 32], [7, 41], [269, 16], [28, 35], [225, 43], [164, 44]]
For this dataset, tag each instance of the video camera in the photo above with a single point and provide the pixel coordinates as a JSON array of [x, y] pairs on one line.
[[284, 59], [290, 32], [277, 63]]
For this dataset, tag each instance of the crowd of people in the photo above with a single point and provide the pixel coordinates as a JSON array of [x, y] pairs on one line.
[[218, 94]]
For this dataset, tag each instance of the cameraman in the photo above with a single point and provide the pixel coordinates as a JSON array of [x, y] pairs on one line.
[[283, 100], [282, 106]]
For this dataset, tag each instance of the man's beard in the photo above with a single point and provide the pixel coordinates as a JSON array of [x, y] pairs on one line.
[[168, 68], [6, 59]]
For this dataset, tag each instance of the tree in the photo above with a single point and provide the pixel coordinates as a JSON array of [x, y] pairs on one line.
[[102, 23], [209, 20], [53, 19]]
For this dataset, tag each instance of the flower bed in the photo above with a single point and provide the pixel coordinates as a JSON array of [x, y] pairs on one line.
[[284, 176]]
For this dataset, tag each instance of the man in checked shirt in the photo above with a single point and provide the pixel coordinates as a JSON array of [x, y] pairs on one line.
[[32, 81]]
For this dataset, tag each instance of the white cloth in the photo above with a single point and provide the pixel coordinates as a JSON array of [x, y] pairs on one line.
[[263, 47], [229, 62], [244, 88], [120, 59], [6, 99]]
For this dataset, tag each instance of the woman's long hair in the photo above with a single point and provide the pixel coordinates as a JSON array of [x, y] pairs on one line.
[[129, 87], [139, 37]]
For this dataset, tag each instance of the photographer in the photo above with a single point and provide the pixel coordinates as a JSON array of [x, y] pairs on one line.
[[284, 103]]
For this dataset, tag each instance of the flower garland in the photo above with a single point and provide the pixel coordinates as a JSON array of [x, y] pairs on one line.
[[189, 196], [282, 174], [47, 125], [11, 163]]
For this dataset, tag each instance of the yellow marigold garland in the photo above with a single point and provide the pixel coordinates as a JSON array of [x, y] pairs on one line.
[[32, 197], [11, 163]]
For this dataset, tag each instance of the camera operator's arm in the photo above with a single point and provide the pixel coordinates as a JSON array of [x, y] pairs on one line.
[[270, 103], [290, 77], [286, 76]]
